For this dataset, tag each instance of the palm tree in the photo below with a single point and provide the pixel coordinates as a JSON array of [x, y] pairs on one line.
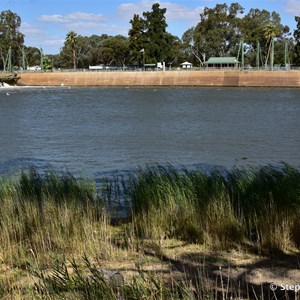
[[71, 40], [270, 31]]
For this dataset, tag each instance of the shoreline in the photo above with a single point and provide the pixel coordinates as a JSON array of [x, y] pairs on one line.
[[59, 237], [216, 78]]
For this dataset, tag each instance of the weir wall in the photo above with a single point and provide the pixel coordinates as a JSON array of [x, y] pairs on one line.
[[160, 78]]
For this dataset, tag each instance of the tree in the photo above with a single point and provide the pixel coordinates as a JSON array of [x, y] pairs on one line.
[[257, 25], [149, 33], [175, 56], [137, 39], [11, 39], [71, 40], [33, 56], [157, 48], [116, 50], [217, 34], [270, 32], [46, 63], [296, 56], [192, 47]]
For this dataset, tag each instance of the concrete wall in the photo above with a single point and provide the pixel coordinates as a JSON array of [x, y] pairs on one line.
[[168, 78]]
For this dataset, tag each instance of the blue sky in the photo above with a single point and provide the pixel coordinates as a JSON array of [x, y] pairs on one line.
[[45, 23]]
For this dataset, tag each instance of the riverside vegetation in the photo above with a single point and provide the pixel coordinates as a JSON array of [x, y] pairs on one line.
[[58, 234]]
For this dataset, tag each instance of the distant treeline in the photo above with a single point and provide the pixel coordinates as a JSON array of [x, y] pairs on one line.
[[218, 33]]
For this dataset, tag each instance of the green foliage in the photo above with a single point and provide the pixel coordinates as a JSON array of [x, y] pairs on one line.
[[218, 33], [34, 185], [149, 33], [296, 58], [33, 56], [137, 39], [115, 50], [10, 38], [221, 28], [71, 40], [157, 45], [47, 64], [46, 214], [259, 205]]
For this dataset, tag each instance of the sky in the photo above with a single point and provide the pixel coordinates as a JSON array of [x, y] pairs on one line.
[[45, 23]]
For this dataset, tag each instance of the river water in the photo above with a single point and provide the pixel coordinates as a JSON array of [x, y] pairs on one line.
[[94, 130]]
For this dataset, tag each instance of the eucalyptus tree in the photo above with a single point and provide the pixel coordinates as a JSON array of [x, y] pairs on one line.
[[95, 48], [71, 40], [217, 33], [193, 48], [11, 39], [33, 56], [115, 50]]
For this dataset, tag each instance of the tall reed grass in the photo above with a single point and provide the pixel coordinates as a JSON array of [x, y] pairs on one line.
[[257, 206], [46, 216]]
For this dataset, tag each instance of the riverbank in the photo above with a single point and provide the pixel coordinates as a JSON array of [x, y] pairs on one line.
[[168, 78], [190, 235]]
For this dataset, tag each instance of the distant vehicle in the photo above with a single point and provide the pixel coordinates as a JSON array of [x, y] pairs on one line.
[[100, 67], [248, 67], [34, 68]]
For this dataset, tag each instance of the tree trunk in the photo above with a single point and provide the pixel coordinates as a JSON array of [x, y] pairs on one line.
[[74, 58]]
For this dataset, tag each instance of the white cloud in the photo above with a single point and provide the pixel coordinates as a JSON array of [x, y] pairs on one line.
[[54, 42], [36, 37], [293, 7], [52, 18], [174, 11], [30, 30], [82, 22]]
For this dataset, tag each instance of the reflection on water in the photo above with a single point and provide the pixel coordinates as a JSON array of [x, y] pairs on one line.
[[92, 130]]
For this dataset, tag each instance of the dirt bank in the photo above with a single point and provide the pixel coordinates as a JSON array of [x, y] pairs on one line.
[[168, 78]]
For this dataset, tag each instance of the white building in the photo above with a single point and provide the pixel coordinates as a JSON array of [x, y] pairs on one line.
[[186, 65]]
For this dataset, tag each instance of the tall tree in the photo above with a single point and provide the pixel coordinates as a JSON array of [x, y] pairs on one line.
[[270, 32], [296, 56], [217, 33], [116, 50], [33, 56], [158, 48], [149, 35], [193, 47], [11, 39], [71, 40], [137, 39], [257, 25]]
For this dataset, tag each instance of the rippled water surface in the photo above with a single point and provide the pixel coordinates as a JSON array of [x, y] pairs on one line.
[[91, 130]]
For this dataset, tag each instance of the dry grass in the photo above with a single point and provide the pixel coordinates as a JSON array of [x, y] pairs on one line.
[[190, 235]]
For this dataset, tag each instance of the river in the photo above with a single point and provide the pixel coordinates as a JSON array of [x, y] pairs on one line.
[[94, 130]]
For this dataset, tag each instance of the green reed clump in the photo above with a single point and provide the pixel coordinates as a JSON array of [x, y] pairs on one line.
[[256, 205], [268, 199], [34, 185], [182, 204], [43, 214]]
